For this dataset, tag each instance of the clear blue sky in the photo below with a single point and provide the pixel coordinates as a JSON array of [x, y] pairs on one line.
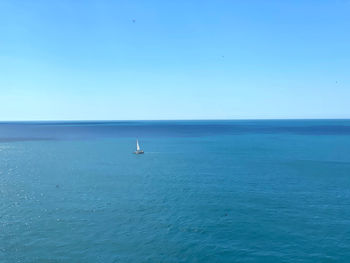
[[66, 60]]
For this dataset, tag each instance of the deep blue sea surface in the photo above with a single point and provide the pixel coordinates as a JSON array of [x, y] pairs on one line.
[[204, 191]]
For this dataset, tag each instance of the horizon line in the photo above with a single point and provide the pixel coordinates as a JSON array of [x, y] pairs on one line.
[[136, 120]]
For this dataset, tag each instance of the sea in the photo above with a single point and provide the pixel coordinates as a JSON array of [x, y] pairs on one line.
[[203, 191]]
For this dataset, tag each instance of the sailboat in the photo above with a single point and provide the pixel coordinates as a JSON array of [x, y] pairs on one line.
[[138, 150]]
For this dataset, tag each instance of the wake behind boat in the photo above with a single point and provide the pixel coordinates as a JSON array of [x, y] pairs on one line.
[[138, 150]]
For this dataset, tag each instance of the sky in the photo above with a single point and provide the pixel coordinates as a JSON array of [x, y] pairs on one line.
[[184, 59]]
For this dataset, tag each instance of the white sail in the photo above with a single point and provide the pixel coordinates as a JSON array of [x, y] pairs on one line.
[[137, 145]]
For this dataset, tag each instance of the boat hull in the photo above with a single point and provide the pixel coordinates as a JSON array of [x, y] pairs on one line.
[[138, 152]]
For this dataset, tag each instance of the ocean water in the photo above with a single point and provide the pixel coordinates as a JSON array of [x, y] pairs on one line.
[[204, 191]]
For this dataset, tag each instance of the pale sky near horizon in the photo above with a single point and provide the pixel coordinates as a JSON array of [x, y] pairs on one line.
[[156, 59]]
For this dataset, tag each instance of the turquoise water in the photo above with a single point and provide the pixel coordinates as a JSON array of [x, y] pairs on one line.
[[229, 191]]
